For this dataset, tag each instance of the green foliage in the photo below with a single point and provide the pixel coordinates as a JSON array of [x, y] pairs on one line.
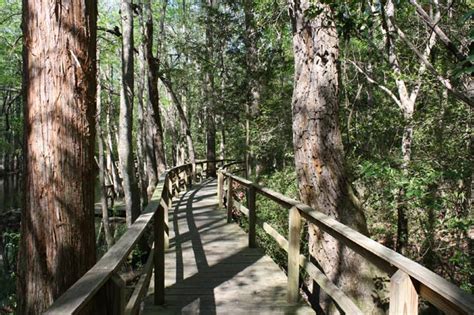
[[7, 270]]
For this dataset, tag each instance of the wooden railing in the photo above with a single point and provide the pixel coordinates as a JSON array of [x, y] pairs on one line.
[[409, 280], [102, 280]]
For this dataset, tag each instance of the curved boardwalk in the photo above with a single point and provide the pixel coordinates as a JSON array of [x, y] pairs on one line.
[[210, 269]]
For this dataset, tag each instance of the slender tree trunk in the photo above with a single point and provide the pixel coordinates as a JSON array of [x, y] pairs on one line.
[[57, 228], [183, 119], [111, 162], [209, 92], [253, 92], [129, 182], [143, 181], [102, 163], [153, 94], [319, 152]]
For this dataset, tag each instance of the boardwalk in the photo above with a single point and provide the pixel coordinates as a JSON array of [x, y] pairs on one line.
[[210, 269]]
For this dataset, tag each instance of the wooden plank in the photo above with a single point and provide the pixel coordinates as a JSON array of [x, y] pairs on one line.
[[294, 235], [403, 295], [252, 216], [141, 287], [212, 270]]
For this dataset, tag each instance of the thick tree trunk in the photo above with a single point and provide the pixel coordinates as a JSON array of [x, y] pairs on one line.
[[102, 164], [319, 153], [57, 228], [129, 182]]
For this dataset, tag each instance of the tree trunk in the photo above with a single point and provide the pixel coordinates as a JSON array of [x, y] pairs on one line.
[[319, 152], [57, 228], [153, 94], [209, 93], [253, 91], [143, 181], [111, 162], [183, 119], [102, 166], [129, 182]]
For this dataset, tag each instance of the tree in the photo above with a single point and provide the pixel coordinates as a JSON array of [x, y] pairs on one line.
[[153, 95], [130, 185], [319, 154], [57, 229]]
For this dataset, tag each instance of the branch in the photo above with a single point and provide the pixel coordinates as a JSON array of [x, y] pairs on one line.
[[381, 86], [446, 82], [442, 36]]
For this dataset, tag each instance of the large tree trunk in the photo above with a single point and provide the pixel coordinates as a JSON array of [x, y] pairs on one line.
[[57, 228], [319, 153], [129, 183]]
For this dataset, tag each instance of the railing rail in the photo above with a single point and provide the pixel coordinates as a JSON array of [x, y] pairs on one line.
[[102, 279], [408, 278]]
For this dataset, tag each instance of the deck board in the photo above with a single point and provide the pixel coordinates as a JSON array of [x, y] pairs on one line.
[[211, 270]]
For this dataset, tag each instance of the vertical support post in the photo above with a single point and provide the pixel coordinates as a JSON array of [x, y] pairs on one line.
[[294, 235], [159, 255], [403, 295], [252, 215], [176, 183], [169, 190], [230, 199], [166, 234], [220, 189]]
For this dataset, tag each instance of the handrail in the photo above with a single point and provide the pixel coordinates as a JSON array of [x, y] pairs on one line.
[[435, 289], [100, 276]]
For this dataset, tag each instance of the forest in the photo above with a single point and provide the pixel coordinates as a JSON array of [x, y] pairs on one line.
[[361, 110]]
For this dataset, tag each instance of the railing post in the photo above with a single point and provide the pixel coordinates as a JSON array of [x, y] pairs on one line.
[[403, 295], [294, 235], [252, 215], [220, 189], [169, 190], [112, 296], [159, 255], [230, 199], [176, 183]]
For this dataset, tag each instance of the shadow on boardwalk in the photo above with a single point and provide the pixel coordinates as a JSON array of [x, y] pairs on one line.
[[210, 269]]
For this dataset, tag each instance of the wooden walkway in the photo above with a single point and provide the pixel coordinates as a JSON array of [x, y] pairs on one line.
[[210, 269]]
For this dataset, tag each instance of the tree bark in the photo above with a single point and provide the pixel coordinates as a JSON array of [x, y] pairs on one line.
[[111, 162], [129, 182], [209, 93], [143, 178], [153, 94], [319, 152], [183, 119], [102, 165], [57, 228]]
